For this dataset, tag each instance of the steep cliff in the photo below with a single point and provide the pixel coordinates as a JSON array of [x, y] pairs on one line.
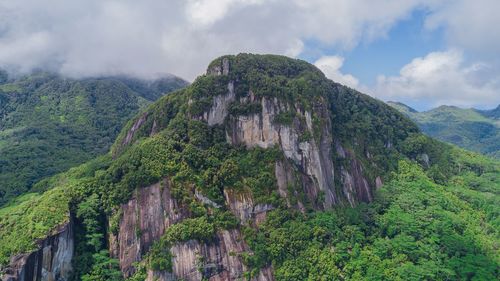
[[329, 133], [51, 262], [152, 210]]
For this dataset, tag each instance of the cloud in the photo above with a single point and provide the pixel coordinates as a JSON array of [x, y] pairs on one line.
[[468, 24], [151, 37], [144, 38], [330, 65], [442, 78]]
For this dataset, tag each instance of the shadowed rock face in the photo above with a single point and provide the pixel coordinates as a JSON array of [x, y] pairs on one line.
[[152, 210], [218, 260], [144, 220], [51, 262]]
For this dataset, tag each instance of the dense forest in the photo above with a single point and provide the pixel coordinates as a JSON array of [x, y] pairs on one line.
[[434, 218], [472, 129], [49, 123]]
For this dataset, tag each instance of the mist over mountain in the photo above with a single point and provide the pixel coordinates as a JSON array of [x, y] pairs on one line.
[[231, 140]]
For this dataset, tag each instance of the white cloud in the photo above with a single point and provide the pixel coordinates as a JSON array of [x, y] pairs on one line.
[[144, 38], [442, 78], [207, 12], [94, 37], [330, 65], [470, 25]]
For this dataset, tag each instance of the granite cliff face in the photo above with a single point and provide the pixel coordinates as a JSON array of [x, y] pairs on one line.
[[51, 262], [152, 210], [312, 157]]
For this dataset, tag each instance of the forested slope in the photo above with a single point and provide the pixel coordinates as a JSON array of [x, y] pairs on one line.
[[476, 130], [50, 123]]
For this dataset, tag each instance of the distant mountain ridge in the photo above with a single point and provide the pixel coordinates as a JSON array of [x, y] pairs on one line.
[[493, 113], [473, 129], [49, 123]]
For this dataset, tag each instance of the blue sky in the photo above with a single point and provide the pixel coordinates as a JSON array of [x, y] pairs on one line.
[[406, 40], [421, 52]]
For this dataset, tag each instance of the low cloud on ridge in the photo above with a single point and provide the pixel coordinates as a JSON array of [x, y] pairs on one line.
[[147, 38]]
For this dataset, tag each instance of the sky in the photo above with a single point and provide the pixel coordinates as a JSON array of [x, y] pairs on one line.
[[424, 53]]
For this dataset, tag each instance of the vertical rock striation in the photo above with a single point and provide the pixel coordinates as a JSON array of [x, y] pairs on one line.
[[51, 262], [311, 158], [153, 209], [144, 220]]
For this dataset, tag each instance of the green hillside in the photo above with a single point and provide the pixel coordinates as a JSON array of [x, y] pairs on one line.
[[50, 123], [475, 130], [436, 217]]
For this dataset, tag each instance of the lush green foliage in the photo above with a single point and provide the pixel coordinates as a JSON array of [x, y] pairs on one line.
[[103, 269], [415, 230], [198, 228], [472, 129], [49, 123], [436, 218], [29, 218]]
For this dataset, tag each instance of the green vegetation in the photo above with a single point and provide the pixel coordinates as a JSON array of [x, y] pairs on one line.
[[49, 124], [436, 217], [414, 230], [104, 269], [29, 218], [198, 228], [284, 118], [239, 109], [472, 129], [201, 228]]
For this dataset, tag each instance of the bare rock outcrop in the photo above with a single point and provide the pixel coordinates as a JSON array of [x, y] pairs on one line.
[[218, 260], [144, 220], [147, 216], [51, 262], [310, 158]]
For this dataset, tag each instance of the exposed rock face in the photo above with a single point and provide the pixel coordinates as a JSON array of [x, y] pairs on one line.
[[259, 129], [217, 260], [152, 210], [144, 220], [310, 158], [214, 261], [219, 109], [51, 262], [160, 276], [243, 207]]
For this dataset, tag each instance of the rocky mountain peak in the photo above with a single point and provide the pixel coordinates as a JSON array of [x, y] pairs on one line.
[[255, 134]]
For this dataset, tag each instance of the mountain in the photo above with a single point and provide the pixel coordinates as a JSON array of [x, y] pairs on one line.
[[493, 113], [472, 129], [262, 169], [49, 123]]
